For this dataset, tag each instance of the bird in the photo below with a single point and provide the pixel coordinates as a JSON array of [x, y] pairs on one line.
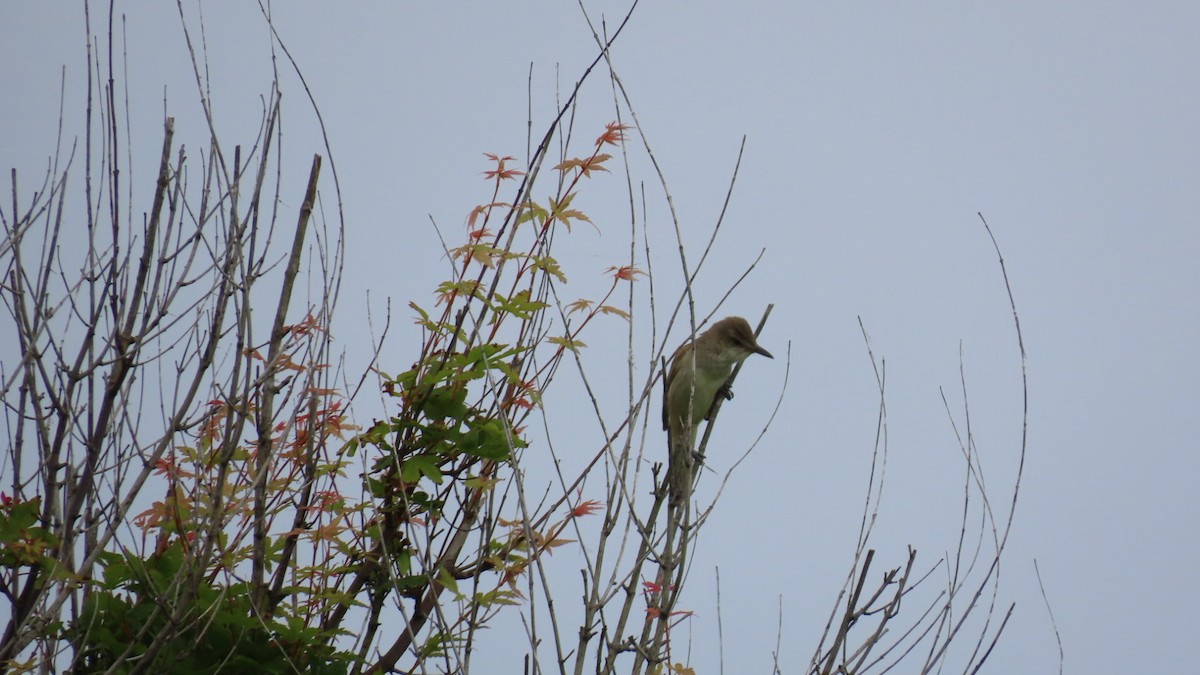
[[698, 372]]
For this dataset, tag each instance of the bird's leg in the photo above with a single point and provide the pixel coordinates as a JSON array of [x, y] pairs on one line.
[[698, 463]]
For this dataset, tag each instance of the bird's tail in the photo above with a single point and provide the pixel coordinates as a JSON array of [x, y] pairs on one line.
[[680, 471]]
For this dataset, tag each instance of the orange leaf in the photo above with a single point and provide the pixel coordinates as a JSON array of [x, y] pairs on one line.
[[625, 272], [521, 402], [500, 172], [613, 134], [587, 508]]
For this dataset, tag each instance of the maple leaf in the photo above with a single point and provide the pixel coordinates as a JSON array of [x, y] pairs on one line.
[[578, 306], [336, 424], [562, 212], [482, 209], [530, 210], [447, 289], [568, 164], [285, 361], [548, 264], [609, 309], [625, 272], [158, 513], [305, 327], [585, 166], [587, 508], [567, 343], [552, 544], [475, 213], [480, 253], [326, 499], [483, 255], [500, 172], [521, 402], [165, 466], [613, 134]]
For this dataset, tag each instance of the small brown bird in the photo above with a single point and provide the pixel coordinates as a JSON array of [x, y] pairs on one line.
[[697, 374]]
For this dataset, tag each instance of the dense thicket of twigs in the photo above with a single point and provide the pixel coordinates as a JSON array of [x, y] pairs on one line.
[[184, 490]]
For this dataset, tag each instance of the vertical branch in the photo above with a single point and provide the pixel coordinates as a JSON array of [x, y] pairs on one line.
[[266, 406]]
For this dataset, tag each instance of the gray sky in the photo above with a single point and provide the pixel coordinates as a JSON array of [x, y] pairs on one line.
[[874, 135]]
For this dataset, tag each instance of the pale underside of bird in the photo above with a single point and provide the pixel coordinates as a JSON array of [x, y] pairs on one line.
[[697, 375]]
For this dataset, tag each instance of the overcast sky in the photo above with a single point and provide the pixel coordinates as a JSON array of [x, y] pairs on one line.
[[875, 133]]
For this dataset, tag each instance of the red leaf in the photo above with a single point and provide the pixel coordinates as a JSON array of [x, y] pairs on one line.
[[587, 508]]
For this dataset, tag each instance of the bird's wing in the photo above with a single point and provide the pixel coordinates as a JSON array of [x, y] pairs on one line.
[[666, 389], [669, 371]]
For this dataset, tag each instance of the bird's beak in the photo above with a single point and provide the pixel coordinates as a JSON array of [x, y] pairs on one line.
[[760, 350]]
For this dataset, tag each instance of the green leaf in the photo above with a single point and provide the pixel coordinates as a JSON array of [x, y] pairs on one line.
[[16, 517], [487, 440], [567, 343], [417, 466], [520, 305], [550, 266], [531, 211], [448, 581], [466, 287], [446, 402]]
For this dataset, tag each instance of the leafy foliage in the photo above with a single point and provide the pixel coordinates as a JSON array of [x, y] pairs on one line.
[[263, 544], [214, 631]]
